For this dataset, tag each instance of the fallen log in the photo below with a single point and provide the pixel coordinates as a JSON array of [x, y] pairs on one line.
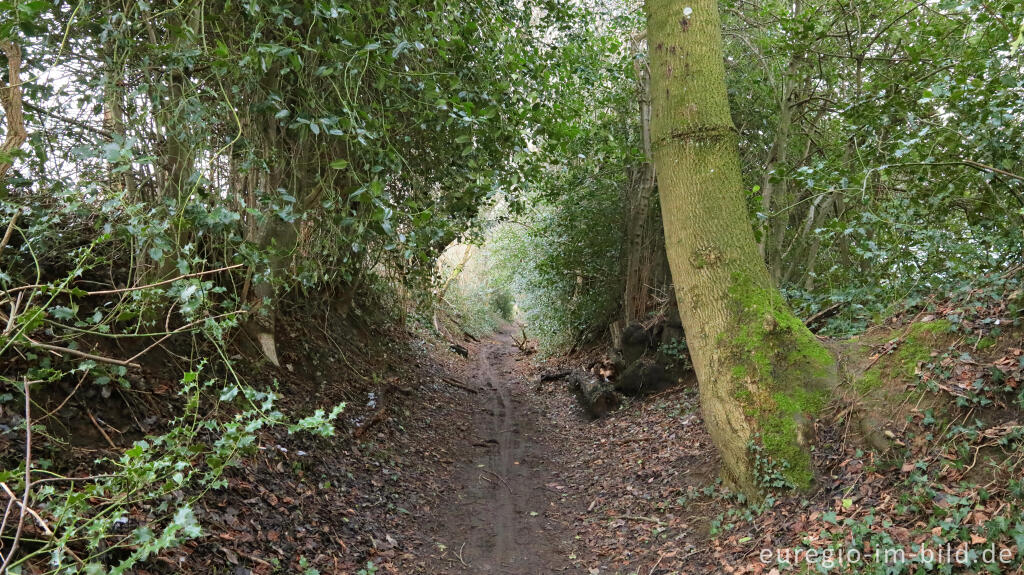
[[642, 377], [815, 322], [550, 376], [595, 396]]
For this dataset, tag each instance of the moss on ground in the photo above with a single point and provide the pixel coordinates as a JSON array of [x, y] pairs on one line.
[[917, 346], [870, 381]]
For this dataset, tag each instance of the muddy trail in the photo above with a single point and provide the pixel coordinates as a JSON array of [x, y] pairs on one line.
[[466, 465], [502, 512]]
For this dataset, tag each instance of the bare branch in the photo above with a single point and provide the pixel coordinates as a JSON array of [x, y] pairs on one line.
[[28, 480], [130, 289], [82, 354], [10, 230]]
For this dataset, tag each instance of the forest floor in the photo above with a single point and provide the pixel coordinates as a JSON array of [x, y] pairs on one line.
[[444, 464], [473, 467], [505, 509], [536, 487]]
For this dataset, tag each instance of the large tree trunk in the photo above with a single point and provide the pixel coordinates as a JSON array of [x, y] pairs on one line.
[[762, 374]]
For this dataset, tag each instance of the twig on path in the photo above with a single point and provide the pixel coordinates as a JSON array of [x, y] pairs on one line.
[[661, 556], [459, 555], [502, 479], [899, 340], [456, 383], [378, 416], [640, 518]]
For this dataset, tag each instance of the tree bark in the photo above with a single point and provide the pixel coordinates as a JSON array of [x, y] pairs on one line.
[[596, 397], [113, 123], [774, 186], [10, 99], [762, 374], [646, 268]]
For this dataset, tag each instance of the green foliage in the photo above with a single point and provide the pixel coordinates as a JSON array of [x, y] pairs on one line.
[[561, 259], [475, 311], [503, 304], [677, 352], [159, 479], [184, 156], [900, 174], [562, 264]]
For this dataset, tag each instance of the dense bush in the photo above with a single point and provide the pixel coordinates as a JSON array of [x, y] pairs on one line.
[[189, 166]]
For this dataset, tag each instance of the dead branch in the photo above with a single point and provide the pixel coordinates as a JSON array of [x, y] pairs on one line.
[[378, 416], [9, 232], [813, 321], [15, 305], [130, 289], [554, 375], [130, 362], [82, 354], [522, 345], [500, 478], [29, 510], [456, 383], [99, 428], [164, 282], [132, 359]]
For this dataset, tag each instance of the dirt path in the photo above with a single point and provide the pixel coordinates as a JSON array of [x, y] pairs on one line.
[[501, 514]]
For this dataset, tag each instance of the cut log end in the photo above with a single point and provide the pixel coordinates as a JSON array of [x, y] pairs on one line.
[[597, 397]]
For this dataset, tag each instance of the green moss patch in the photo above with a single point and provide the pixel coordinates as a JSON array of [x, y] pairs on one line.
[[900, 366], [783, 376], [870, 381]]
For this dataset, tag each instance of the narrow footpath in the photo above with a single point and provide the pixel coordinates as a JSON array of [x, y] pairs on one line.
[[502, 514]]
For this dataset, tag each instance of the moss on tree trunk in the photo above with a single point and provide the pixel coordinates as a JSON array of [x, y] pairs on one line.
[[763, 375]]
